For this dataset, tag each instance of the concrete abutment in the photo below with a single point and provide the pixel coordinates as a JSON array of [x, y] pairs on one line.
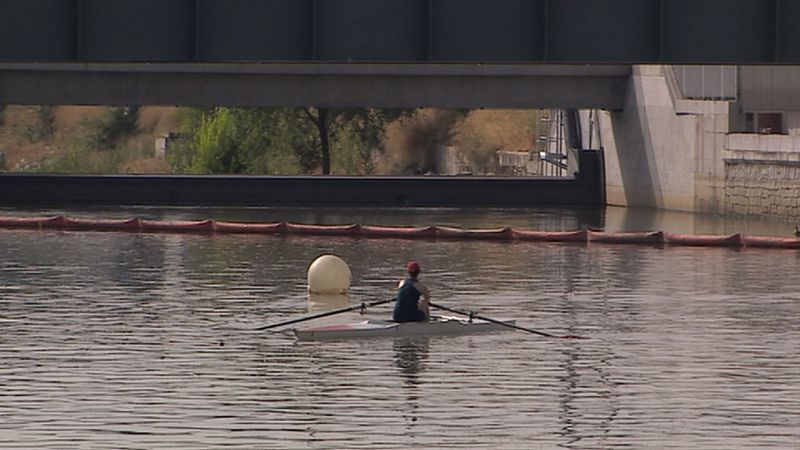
[[664, 151]]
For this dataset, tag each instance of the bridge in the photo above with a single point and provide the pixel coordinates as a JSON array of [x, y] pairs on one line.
[[660, 150], [388, 53], [315, 84], [499, 31]]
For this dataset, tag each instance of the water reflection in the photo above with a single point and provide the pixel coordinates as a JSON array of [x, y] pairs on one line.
[[589, 402], [327, 302], [410, 355], [115, 338]]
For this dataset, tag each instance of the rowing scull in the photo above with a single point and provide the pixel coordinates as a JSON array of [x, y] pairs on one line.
[[437, 326]]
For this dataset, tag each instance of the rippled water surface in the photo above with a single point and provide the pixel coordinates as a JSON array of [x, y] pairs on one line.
[[125, 340]]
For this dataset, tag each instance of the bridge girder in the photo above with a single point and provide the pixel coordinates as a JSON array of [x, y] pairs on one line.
[[323, 85], [418, 31]]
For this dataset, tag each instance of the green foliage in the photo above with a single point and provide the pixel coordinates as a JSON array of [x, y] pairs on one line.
[[356, 135], [353, 157], [72, 161], [242, 140], [82, 159], [280, 142], [276, 141], [361, 135], [217, 144], [354, 149], [98, 148], [181, 152], [110, 129], [42, 126]]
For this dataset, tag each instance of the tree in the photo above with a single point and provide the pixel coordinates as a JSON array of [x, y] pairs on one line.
[[367, 124], [281, 141], [320, 121], [240, 140], [218, 144]]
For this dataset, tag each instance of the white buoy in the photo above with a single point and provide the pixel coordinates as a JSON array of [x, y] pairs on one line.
[[328, 274]]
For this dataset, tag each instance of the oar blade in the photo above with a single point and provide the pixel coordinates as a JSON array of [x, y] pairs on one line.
[[500, 322]]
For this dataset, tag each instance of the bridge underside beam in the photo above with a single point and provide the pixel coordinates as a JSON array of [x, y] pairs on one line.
[[322, 85], [508, 31]]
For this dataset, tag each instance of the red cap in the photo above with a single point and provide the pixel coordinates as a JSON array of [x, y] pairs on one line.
[[413, 267]]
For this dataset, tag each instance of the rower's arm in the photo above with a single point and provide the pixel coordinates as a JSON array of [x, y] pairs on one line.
[[426, 294]]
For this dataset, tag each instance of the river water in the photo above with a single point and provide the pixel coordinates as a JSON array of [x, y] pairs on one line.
[[145, 341]]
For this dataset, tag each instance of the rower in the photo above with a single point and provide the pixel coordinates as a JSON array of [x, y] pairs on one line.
[[409, 307]]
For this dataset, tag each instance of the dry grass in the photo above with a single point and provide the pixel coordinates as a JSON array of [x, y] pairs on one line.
[[146, 166], [19, 148], [69, 123], [484, 132], [513, 130], [410, 145], [68, 119], [157, 120]]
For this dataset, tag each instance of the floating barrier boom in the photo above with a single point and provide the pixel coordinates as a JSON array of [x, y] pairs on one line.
[[373, 231]]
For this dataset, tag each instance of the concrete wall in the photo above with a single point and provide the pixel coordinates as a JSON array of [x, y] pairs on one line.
[[49, 190], [791, 120], [769, 88], [762, 175], [663, 152]]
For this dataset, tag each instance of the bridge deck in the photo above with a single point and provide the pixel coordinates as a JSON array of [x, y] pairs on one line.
[[316, 84]]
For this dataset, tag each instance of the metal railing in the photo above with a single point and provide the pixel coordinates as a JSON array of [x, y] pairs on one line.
[[553, 156], [707, 82]]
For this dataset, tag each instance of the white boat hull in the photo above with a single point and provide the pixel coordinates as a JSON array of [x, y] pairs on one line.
[[440, 326]]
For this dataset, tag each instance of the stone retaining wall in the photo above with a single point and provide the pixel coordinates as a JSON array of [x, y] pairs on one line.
[[762, 188], [762, 175]]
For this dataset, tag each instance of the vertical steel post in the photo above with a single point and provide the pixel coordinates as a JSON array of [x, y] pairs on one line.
[[429, 55], [546, 32], [661, 30], [79, 30], [702, 81], [776, 45], [314, 14], [197, 49]]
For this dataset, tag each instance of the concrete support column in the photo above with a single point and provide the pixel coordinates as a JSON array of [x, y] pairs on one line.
[[662, 151]]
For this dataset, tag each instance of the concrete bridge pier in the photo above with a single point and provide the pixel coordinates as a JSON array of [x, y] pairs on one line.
[[662, 151]]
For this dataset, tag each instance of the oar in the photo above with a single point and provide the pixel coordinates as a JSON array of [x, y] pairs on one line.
[[500, 322], [324, 314]]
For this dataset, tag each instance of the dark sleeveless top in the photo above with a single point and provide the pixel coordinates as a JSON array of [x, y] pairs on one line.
[[405, 308]]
